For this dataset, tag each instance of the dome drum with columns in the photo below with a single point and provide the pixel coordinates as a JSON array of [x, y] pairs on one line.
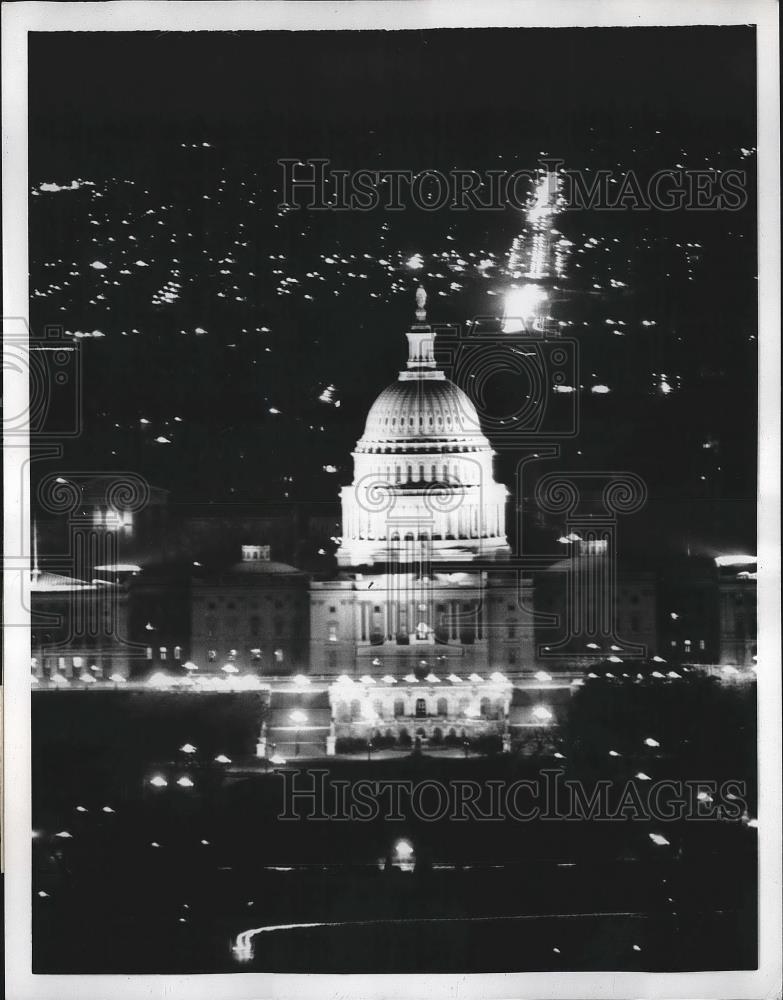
[[422, 470]]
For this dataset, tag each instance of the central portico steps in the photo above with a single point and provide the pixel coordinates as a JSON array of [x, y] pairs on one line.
[[283, 734]]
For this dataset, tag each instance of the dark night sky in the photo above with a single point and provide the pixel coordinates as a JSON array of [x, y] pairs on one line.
[[311, 79]]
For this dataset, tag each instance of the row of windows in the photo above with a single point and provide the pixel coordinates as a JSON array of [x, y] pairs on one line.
[[411, 421], [255, 654], [163, 653], [254, 603], [487, 709], [688, 646], [213, 625]]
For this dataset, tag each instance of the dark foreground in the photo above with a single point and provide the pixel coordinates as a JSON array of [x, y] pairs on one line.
[[167, 879]]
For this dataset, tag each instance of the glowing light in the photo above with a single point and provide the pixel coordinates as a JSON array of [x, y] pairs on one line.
[[658, 659], [301, 681], [298, 717], [277, 759], [542, 713], [593, 645], [158, 781], [222, 759], [403, 849], [650, 742], [475, 679], [542, 675], [521, 305], [229, 668], [366, 679], [388, 679], [190, 666], [615, 659], [600, 390], [64, 835], [432, 678], [734, 560], [659, 840], [80, 809], [345, 679], [498, 678], [454, 679], [613, 753], [642, 776], [118, 679], [185, 782], [107, 809], [411, 679]]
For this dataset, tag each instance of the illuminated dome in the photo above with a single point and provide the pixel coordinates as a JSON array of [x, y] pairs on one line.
[[422, 469], [425, 411]]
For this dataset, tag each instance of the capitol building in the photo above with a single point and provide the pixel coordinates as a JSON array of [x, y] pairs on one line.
[[422, 627]]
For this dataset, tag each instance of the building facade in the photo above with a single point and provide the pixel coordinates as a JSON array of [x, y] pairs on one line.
[[423, 627], [252, 617]]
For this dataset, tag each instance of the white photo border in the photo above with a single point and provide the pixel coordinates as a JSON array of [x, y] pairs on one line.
[[129, 15]]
